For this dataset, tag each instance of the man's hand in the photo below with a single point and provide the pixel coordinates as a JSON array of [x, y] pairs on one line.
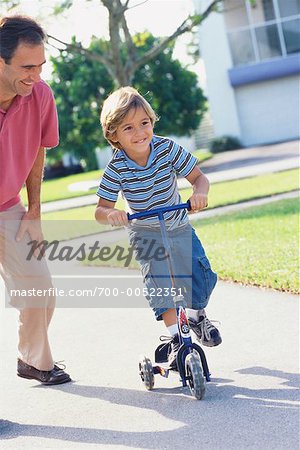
[[31, 224], [31, 221]]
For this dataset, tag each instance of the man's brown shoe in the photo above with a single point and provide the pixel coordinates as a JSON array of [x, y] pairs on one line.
[[47, 377]]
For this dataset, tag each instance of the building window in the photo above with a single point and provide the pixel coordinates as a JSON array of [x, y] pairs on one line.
[[241, 47], [260, 30], [288, 7], [262, 11], [268, 42], [291, 35]]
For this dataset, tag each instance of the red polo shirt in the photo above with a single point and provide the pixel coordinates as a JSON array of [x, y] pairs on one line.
[[29, 123]]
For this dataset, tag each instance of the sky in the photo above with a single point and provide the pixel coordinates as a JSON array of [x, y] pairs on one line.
[[87, 18]]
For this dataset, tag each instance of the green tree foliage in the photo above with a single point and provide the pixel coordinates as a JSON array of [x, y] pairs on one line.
[[81, 85], [171, 89], [122, 58]]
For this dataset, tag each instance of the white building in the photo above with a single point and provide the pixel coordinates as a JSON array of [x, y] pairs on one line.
[[252, 63]]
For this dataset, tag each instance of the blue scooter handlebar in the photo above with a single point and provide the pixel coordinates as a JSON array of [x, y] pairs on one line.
[[159, 211]]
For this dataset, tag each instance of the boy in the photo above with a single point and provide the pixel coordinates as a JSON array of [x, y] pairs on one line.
[[143, 169]]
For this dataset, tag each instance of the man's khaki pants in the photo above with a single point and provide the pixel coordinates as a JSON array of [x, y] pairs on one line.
[[22, 274]]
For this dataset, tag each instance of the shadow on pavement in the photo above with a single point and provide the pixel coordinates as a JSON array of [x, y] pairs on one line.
[[249, 413], [292, 379]]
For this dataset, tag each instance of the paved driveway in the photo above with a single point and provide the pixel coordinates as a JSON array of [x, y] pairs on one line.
[[250, 403]]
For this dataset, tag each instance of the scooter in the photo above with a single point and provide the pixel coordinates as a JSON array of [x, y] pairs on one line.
[[191, 361]]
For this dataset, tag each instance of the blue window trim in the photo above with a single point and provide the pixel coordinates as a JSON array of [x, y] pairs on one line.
[[267, 70]]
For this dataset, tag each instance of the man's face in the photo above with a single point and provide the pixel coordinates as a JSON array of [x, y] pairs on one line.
[[19, 76]]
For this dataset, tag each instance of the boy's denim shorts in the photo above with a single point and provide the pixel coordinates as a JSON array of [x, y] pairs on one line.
[[192, 273]]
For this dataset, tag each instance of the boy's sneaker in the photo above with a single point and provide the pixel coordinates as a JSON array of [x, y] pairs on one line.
[[205, 331], [174, 347]]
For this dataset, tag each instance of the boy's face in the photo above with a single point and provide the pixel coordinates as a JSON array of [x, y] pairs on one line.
[[134, 135]]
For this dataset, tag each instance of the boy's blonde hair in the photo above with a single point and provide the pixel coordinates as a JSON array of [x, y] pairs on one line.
[[117, 106]]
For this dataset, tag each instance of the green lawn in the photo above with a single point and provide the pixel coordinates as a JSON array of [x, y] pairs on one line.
[[257, 246], [57, 189], [220, 194], [63, 230], [203, 155], [236, 191]]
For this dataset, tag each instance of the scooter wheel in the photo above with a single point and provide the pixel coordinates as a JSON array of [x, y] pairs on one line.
[[146, 372], [194, 376]]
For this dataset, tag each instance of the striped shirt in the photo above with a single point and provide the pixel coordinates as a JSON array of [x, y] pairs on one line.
[[152, 186]]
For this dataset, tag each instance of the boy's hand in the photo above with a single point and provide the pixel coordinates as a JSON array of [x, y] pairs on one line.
[[117, 218], [200, 185], [198, 201]]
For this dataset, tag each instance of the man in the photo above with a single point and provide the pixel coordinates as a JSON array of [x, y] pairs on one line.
[[28, 124]]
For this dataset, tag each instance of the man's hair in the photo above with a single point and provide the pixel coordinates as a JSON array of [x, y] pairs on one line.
[[117, 106], [18, 29]]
